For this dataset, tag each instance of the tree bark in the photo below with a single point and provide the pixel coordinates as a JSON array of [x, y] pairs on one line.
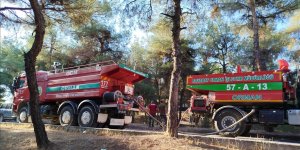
[[182, 91], [30, 60], [256, 51], [172, 122], [224, 68], [156, 83], [53, 40]]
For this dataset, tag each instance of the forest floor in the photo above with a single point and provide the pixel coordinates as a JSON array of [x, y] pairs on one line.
[[20, 137]]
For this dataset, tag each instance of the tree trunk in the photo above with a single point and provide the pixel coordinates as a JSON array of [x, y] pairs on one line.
[[156, 83], [172, 122], [224, 68], [182, 91], [224, 53], [255, 29], [263, 58], [53, 39], [30, 60]]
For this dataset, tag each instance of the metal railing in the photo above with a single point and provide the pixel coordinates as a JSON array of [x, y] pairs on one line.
[[87, 66]]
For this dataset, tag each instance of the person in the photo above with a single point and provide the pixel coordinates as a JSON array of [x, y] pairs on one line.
[[152, 107], [162, 111]]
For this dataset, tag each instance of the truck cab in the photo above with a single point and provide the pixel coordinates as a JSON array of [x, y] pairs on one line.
[[199, 104]]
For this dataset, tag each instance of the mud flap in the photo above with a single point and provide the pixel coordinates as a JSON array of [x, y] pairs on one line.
[[116, 122], [102, 118], [128, 119], [29, 119]]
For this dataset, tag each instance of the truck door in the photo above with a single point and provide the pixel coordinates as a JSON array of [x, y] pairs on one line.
[[42, 90], [21, 90]]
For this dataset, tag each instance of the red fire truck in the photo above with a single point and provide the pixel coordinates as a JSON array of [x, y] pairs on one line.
[[91, 95], [272, 97]]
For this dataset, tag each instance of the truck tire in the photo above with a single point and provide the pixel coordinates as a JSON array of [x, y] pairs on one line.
[[226, 118], [23, 115], [67, 117], [87, 117]]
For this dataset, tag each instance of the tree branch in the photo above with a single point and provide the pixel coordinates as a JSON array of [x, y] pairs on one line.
[[273, 15], [14, 8], [167, 15], [183, 28], [18, 20], [46, 8], [188, 13]]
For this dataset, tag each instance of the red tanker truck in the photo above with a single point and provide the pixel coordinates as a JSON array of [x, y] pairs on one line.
[[236, 101], [92, 95]]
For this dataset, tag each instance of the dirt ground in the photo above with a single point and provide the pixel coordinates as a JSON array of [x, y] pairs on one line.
[[13, 137]]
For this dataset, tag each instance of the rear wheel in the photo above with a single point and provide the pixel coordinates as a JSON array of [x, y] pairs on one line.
[[23, 115], [87, 117], [226, 118], [67, 117]]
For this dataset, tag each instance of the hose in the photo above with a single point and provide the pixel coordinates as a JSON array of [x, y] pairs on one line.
[[182, 117], [144, 110], [217, 132], [242, 119]]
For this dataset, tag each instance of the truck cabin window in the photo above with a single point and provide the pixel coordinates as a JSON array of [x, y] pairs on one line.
[[18, 83], [21, 84]]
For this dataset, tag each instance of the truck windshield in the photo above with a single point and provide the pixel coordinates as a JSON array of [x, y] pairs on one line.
[[21, 83], [18, 83]]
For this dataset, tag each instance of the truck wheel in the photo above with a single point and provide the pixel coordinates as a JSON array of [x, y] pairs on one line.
[[87, 117], [67, 117], [226, 118], [23, 115]]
